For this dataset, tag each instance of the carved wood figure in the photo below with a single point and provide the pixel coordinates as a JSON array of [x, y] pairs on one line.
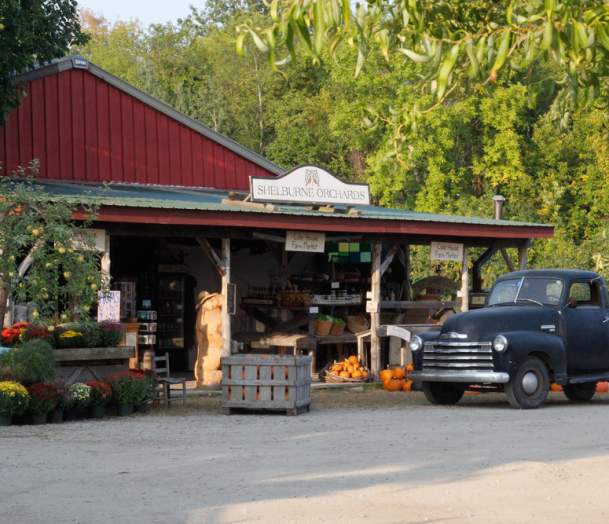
[[209, 339]]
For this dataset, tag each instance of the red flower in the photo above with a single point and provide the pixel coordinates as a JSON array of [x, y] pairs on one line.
[[104, 389], [43, 392]]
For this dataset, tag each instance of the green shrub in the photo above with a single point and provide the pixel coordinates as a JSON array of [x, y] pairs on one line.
[[30, 362]]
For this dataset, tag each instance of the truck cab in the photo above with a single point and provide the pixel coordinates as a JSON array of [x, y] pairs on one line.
[[538, 327]]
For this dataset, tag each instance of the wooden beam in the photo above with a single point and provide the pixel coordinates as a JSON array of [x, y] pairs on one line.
[[105, 260], [389, 258], [507, 259], [375, 289], [216, 261], [464, 281], [406, 290], [523, 254], [226, 320]]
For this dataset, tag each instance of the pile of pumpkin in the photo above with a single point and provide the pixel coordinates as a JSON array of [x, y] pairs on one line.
[[349, 370], [601, 387], [396, 379]]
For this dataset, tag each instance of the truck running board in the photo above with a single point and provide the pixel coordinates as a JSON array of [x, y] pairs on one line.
[[590, 377]]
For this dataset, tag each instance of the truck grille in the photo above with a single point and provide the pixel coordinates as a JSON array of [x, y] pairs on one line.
[[457, 356]]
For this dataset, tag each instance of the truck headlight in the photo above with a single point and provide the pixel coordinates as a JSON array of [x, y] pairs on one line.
[[500, 343], [415, 343]]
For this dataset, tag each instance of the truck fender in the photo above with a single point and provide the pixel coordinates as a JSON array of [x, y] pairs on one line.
[[550, 348]]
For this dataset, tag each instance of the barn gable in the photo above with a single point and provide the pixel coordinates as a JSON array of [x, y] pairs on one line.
[[84, 124]]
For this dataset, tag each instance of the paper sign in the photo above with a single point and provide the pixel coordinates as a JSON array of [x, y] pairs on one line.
[[305, 241], [372, 307], [447, 251], [109, 306]]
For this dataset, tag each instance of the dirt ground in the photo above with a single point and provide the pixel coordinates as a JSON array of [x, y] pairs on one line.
[[356, 457]]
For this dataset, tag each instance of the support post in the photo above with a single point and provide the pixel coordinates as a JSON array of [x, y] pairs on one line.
[[523, 253], [375, 299], [407, 283], [226, 328], [464, 281], [105, 261]]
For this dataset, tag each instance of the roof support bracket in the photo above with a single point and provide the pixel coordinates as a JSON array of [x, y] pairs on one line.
[[389, 258], [212, 255]]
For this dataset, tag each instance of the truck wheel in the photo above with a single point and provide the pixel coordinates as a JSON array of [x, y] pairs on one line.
[[580, 392], [441, 393], [529, 387]]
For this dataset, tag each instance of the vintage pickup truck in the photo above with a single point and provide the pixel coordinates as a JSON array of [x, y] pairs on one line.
[[538, 327]]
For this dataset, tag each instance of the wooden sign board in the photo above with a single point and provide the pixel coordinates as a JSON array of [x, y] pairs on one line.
[[109, 306], [308, 185], [306, 241], [447, 251], [231, 299]]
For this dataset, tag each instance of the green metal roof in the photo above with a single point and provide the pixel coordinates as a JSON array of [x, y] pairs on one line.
[[204, 199]]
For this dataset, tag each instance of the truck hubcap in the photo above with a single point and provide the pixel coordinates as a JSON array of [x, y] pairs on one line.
[[530, 382]]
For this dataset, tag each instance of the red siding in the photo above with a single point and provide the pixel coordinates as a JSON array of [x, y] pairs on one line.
[[82, 128]]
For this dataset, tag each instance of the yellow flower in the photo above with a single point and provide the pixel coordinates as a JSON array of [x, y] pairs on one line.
[[11, 388]]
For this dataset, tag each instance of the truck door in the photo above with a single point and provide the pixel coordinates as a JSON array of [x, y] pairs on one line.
[[587, 326]]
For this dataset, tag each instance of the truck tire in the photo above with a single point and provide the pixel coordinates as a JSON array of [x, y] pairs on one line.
[[580, 392], [442, 393], [529, 386]]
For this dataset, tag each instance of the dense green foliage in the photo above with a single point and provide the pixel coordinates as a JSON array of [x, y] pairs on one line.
[[518, 135], [30, 362], [32, 32]]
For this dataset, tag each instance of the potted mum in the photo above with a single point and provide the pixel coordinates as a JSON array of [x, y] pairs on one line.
[[124, 391], [14, 400], [101, 393], [63, 402], [43, 399], [79, 395]]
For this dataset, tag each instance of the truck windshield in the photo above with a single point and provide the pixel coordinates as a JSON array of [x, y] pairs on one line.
[[527, 290]]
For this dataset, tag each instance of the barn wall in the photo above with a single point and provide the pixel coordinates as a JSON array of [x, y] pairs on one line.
[[83, 128]]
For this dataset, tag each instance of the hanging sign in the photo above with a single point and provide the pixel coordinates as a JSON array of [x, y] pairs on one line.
[[305, 241], [308, 185], [109, 306], [447, 251]]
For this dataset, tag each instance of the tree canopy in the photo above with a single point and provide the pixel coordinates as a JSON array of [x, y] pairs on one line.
[[32, 32]]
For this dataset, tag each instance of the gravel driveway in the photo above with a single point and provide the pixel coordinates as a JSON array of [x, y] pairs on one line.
[[357, 456]]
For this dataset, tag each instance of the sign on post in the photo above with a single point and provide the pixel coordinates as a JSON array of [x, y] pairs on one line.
[[109, 306], [308, 185], [447, 251], [305, 241]]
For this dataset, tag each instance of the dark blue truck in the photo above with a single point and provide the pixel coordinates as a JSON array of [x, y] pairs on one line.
[[538, 327]]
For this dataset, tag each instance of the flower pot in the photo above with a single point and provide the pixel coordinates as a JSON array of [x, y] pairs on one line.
[[111, 410], [337, 329], [55, 416], [97, 411], [5, 420], [323, 327], [143, 408], [125, 409], [37, 418], [69, 414]]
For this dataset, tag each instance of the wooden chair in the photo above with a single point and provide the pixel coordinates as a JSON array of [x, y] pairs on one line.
[[165, 383]]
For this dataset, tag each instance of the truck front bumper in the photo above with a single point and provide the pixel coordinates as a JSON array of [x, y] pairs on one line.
[[466, 377]]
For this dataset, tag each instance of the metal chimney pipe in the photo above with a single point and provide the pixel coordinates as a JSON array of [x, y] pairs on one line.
[[498, 201]]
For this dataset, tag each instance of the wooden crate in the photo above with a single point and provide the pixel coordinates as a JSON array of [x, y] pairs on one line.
[[266, 382]]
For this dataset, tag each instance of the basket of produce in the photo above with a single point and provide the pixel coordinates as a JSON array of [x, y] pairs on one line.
[[357, 323], [348, 370]]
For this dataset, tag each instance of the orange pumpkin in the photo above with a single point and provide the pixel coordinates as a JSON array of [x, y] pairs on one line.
[[398, 372], [345, 374], [394, 384], [602, 387], [357, 374], [407, 385], [337, 368], [409, 367], [353, 359], [555, 387], [364, 373], [386, 375]]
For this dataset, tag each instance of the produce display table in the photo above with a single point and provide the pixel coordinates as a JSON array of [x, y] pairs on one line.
[[75, 363]]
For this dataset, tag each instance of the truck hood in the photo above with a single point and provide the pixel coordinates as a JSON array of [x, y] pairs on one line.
[[484, 324]]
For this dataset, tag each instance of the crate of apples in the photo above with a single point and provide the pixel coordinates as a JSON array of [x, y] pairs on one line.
[[349, 370]]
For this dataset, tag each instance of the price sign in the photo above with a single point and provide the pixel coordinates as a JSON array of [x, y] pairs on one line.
[[109, 306], [305, 241], [448, 251]]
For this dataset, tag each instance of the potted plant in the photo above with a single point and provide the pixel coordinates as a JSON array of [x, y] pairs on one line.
[[30, 362], [14, 400], [79, 396], [69, 338], [110, 334], [63, 403], [142, 388], [123, 392], [101, 393], [43, 399]]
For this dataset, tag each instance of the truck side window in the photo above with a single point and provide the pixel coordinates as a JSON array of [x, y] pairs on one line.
[[585, 293]]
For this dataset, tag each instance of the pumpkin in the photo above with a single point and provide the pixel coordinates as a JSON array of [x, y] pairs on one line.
[[357, 374], [394, 384], [555, 387], [407, 385], [345, 374], [602, 387], [353, 359], [337, 368], [350, 368], [409, 367], [386, 375], [398, 372], [364, 373]]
